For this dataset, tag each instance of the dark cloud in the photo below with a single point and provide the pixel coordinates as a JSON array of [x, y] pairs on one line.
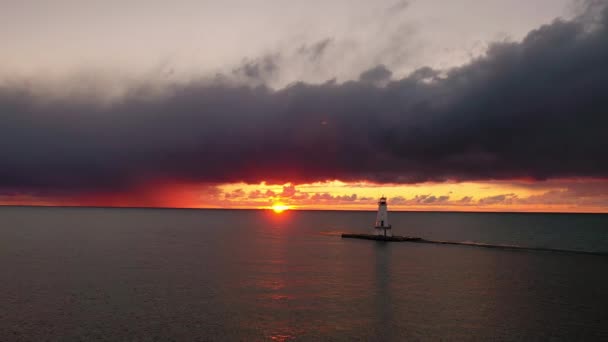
[[443, 198], [256, 194], [536, 110], [498, 199], [315, 51], [328, 197], [429, 199], [466, 199], [235, 194], [289, 191], [322, 197], [377, 75], [397, 200], [258, 71]]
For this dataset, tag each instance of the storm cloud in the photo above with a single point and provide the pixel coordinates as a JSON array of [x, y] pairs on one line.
[[535, 109]]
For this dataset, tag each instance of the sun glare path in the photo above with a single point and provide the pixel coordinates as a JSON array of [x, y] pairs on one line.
[[280, 207]]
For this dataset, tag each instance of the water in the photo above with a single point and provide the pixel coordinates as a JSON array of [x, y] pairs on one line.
[[161, 275]]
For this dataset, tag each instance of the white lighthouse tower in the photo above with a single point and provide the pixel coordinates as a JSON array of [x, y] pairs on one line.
[[382, 226]]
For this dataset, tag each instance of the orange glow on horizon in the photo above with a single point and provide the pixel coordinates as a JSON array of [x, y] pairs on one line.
[[280, 207], [559, 195]]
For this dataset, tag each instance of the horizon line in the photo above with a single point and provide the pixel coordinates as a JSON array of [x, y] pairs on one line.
[[303, 209]]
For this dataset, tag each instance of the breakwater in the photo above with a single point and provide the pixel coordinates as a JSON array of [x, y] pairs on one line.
[[397, 238]]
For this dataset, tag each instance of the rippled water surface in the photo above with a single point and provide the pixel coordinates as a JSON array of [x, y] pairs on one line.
[[142, 274]]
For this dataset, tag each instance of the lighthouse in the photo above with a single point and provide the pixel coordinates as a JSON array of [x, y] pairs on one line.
[[382, 227]]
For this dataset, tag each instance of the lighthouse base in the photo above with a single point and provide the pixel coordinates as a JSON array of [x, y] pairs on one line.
[[395, 238], [383, 231]]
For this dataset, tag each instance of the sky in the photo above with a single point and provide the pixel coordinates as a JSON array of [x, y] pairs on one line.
[[472, 105]]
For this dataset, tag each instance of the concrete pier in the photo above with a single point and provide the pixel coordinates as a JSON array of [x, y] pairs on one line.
[[396, 238]]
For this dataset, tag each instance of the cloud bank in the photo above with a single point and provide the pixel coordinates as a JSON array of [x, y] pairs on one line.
[[535, 109]]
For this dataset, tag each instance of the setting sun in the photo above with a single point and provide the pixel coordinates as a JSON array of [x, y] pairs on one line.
[[280, 207]]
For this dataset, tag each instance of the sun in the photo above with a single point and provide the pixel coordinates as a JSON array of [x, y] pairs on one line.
[[280, 207]]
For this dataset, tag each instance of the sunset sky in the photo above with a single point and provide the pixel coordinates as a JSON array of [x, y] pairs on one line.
[[493, 105]]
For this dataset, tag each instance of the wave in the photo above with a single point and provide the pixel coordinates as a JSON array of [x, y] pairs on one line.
[[511, 247]]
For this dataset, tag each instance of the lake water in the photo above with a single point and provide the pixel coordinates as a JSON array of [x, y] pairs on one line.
[[70, 274]]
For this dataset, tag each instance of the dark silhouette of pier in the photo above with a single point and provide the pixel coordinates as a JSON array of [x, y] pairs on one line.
[[397, 238]]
